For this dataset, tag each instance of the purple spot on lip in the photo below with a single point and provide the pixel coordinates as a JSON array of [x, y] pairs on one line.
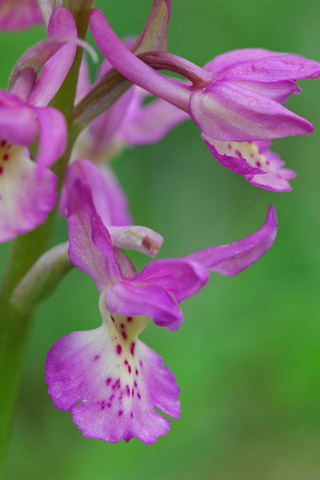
[[132, 348], [131, 414], [238, 153], [112, 319], [109, 405], [258, 164], [140, 363], [137, 371], [108, 381], [124, 335], [96, 357], [116, 384], [111, 397], [128, 390], [126, 362], [129, 319], [135, 384], [129, 368], [102, 405], [133, 392], [139, 396], [118, 349], [120, 413]]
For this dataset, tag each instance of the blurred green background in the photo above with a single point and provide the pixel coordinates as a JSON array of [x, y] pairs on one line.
[[247, 355]]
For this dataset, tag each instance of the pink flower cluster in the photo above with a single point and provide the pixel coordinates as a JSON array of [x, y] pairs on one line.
[[109, 379]]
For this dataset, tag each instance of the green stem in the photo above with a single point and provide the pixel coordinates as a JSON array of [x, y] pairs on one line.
[[15, 325]]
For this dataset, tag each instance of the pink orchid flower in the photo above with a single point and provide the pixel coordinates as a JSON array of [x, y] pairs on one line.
[[235, 99], [109, 379]]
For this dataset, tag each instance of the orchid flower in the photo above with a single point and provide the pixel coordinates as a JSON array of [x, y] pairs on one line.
[[234, 99], [27, 188], [19, 14], [107, 377]]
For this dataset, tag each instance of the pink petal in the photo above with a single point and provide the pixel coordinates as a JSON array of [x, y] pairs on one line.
[[24, 201], [260, 166], [228, 112], [112, 386], [136, 298], [108, 197], [18, 121], [90, 243], [24, 83], [117, 198], [56, 68], [226, 61], [52, 136], [179, 277], [274, 68], [132, 67], [278, 91], [233, 258], [19, 14]]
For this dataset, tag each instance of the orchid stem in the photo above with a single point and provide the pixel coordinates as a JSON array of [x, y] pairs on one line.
[[15, 324]]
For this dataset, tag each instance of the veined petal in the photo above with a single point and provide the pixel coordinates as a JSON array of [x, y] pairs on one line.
[[179, 277], [90, 243], [56, 68], [226, 61], [18, 121], [260, 166], [134, 237], [52, 136], [225, 111], [278, 91], [274, 68], [24, 201], [131, 297], [233, 258], [108, 197], [112, 384], [19, 14]]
